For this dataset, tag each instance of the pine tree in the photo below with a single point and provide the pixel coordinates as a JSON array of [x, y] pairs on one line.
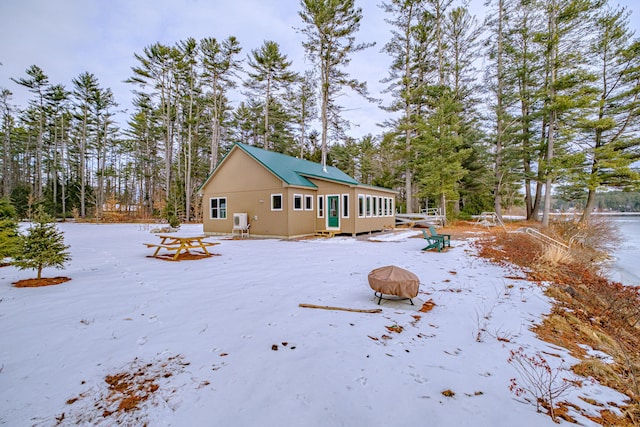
[[440, 148], [270, 72], [303, 108], [406, 80], [611, 141], [42, 246], [37, 83], [220, 65], [6, 126], [566, 91], [330, 26]]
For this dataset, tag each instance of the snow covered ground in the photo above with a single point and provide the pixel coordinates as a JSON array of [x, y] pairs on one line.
[[222, 341]]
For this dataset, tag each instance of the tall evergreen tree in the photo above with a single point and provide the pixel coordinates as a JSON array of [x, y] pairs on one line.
[[303, 107], [406, 80], [144, 133], [103, 103], [497, 79], [330, 27], [462, 38], [270, 73], [37, 82], [524, 73], [84, 88], [57, 98], [220, 65], [189, 81], [440, 147], [157, 72], [566, 91], [6, 126], [611, 140]]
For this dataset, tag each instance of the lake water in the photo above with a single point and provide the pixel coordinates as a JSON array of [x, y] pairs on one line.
[[626, 266]]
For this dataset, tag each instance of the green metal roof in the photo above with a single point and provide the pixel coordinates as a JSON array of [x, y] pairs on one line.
[[294, 171]]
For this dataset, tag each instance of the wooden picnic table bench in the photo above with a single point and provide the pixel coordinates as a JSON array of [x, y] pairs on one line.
[[180, 244]]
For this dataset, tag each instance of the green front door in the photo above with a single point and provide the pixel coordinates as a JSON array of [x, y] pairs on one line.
[[333, 212]]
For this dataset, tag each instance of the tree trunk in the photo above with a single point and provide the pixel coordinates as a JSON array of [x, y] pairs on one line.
[[498, 173], [267, 145], [83, 166], [325, 110], [408, 172], [552, 114]]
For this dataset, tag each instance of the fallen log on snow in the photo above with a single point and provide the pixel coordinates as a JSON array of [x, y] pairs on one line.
[[357, 310]]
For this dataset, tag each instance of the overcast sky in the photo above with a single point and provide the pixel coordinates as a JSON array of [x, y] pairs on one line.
[[68, 37]]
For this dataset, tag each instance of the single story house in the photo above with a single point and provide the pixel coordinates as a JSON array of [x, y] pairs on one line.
[[283, 196]]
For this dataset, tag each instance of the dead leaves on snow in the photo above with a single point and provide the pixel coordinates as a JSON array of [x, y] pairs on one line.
[[122, 394], [427, 306]]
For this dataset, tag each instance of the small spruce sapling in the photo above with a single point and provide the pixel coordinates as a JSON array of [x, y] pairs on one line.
[[42, 246], [9, 237], [174, 222]]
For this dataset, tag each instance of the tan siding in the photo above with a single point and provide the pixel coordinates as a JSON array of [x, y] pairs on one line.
[[354, 224], [248, 186], [374, 222], [301, 222]]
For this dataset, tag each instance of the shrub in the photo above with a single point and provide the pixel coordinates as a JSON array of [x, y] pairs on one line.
[[539, 379], [598, 234], [554, 255]]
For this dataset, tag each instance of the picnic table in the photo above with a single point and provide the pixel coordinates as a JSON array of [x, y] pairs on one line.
[[180, 244]]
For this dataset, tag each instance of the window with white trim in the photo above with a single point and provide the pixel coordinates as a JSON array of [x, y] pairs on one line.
[[375, 206], [380, 206], [368, 206], [218, 207], [308, 202], [297, 202], [361, 205], [276, 202], [320, 206], [345, 206]]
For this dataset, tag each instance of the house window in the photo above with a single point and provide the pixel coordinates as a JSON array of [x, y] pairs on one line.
[[368, 205], [345, 206], [361, 205], [308, 203], [297, 202], [386, 207], [218, 208], [375, 206], [276, 202], [320, 206], [380, 206]]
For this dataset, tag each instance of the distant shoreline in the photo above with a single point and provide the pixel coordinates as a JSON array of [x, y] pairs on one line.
[[617, 213], [604, 214]]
